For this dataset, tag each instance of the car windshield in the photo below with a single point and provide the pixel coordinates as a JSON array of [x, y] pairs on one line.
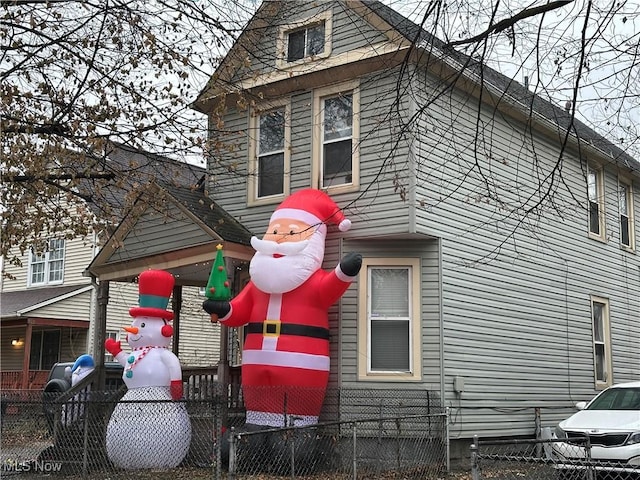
[[617, 399]]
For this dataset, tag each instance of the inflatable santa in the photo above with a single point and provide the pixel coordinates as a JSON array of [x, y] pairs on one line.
[[285, 359]]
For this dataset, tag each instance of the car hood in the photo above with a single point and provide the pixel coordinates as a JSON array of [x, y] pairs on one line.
[[608, 420]]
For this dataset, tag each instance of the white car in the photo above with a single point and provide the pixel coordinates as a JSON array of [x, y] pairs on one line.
[[610, 424]]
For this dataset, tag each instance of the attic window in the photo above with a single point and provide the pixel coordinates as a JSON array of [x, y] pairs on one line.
[[305, 42]]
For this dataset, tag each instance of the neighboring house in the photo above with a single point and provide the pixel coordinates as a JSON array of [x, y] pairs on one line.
[[48, 306], [501, 303]]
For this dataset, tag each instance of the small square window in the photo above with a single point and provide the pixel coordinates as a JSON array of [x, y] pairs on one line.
[[306, 40]]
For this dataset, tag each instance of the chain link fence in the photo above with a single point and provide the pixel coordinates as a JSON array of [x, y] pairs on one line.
[[545, 459], [91, 434]]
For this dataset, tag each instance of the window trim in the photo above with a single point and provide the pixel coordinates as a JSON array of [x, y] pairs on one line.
[[630, 214], [282, 39], [415, 329], [599, 171], [47, 265], [252, 181], [606, 332], [316, 169]]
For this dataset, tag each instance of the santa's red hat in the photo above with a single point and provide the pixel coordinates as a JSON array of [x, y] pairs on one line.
[[154, 288], [312, 207]]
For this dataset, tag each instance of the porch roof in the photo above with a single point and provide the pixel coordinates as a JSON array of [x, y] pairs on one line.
[[19, 304], [181, 242]]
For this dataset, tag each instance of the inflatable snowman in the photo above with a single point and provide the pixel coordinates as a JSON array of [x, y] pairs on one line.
[[147, 428]]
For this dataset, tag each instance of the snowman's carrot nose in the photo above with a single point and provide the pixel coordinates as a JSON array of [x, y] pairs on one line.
[[133, 330]]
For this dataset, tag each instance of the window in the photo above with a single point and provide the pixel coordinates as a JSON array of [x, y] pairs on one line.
[[596, 202], [601, 342], [389, 323], [306, 40], [45, 349], [47, 267], [269, 165], [336, 150], [625, 206]]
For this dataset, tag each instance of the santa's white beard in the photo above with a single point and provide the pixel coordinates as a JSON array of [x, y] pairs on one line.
[[286, 273]]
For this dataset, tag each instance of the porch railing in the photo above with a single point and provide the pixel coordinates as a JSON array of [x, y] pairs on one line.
[[13, 379]]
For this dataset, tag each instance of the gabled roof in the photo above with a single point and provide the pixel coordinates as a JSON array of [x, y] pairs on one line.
[[509, 88], [185, 245], [18, 304], [210, 213], [507, 91], [134, 168]]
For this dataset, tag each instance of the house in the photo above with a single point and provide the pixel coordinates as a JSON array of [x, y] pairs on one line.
[[494, 282], [49, 307]]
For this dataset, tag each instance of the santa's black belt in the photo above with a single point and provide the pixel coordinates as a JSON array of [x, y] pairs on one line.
[[273, 328]]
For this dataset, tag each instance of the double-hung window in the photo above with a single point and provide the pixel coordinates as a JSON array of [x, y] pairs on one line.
[[336, 138], [603, 371], [389, 324], [595, 188], [625, 206], [269, 165], [47, 267]]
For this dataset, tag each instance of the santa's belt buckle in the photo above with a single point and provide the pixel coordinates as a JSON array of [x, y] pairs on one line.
[[271, 328]]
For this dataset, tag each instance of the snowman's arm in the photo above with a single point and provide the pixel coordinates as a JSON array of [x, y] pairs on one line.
[[173, 365], [121, 358], [175, 374], [113, 347]]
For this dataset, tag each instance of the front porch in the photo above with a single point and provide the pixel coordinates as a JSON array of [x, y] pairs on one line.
[[31, 346]]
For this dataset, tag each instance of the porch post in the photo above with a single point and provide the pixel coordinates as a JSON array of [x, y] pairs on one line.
[[26, 356], [176, 306], [101, 331]]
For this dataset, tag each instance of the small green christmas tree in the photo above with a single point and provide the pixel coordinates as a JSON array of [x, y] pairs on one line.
[[218, 285]]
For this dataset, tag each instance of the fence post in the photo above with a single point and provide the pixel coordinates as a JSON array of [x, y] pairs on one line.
[[85, 440], [590, 467], [355, 452], [538, 431], [475, 469], [447, 444], [218, 433], [232, 454]]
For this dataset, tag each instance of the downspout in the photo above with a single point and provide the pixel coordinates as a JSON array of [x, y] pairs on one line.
[[441, 323]]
